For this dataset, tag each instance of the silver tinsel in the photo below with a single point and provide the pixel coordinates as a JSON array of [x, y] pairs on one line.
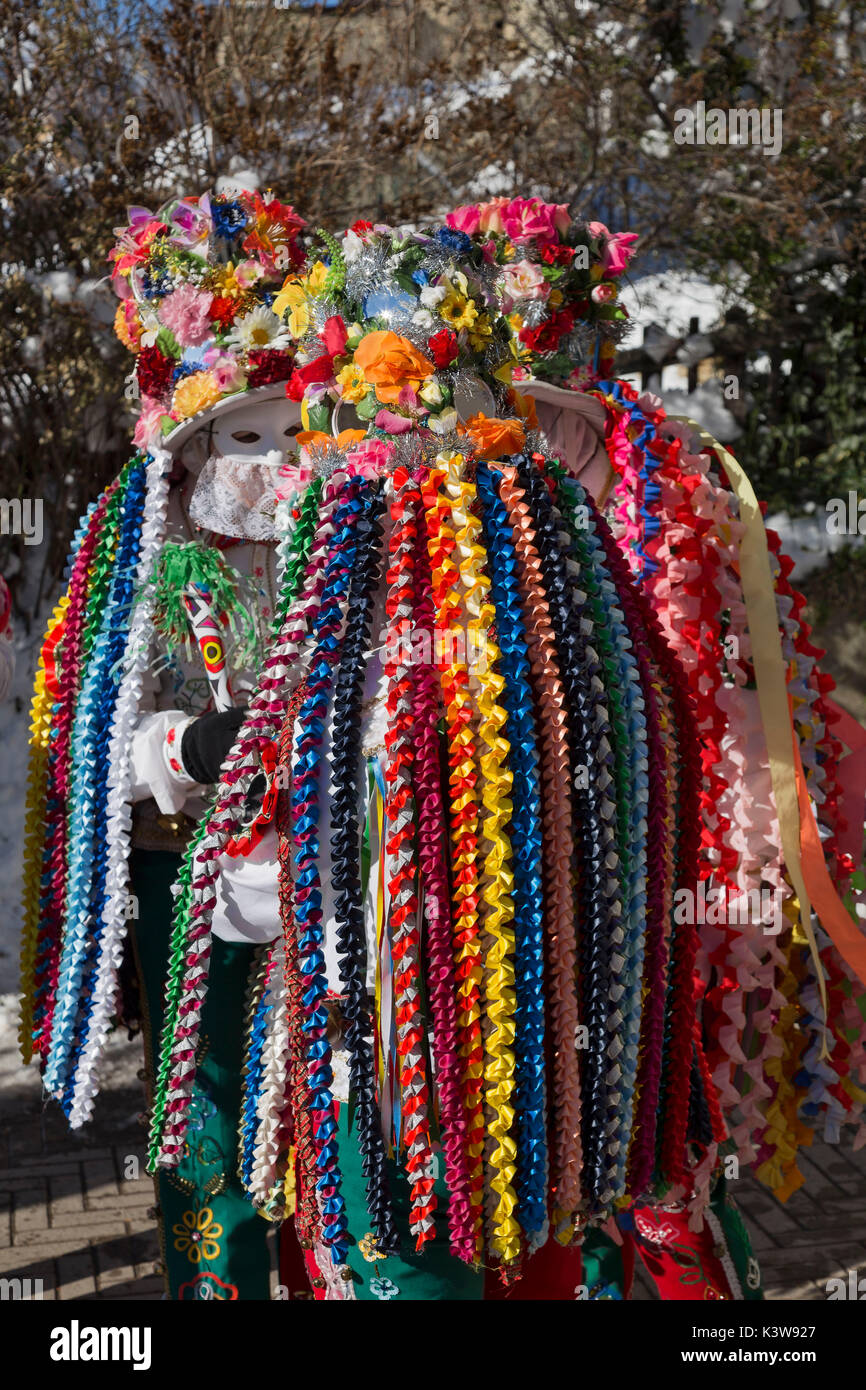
[[327, 461], [366, 271]]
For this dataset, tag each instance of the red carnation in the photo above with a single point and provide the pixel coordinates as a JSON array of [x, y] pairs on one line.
[[223, 310], [361, 228], [267, 365], [154, 372], [443, 347], [322, 369], [545, 338], [556, 254]]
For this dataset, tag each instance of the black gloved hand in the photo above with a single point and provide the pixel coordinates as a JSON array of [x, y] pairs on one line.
[[206, 743]]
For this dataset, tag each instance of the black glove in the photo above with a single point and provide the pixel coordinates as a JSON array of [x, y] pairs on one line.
[[206, 743]]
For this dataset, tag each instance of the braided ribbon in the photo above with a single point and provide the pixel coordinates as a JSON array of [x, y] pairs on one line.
[[401, 847]]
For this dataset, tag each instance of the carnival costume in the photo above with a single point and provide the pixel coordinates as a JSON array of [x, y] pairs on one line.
[[499, 740]]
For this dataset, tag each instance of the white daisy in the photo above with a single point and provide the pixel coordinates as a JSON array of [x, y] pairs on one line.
[[259, 329]]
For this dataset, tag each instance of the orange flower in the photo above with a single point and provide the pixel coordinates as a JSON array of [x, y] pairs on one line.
[[127, 325], [319, 440], [494, 438], [390, 362], [524, 406]]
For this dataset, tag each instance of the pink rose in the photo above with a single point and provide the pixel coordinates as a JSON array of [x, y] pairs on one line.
[[603, 292], [370, 458], [523, 280], [464, 219], [225, 370], [617, 249], [490, 215], [148, 424], [526, 219], [185, 313]]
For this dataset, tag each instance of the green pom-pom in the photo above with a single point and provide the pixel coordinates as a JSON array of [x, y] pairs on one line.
[[180, 565]]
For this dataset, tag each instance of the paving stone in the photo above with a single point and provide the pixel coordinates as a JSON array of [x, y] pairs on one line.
[[65, 1196], [76, 1277]]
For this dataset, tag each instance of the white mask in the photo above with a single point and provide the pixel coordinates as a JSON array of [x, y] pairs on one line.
[[235, 493]]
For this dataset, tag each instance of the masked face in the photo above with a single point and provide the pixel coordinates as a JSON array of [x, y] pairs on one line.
[[236, 491], [257, 433]]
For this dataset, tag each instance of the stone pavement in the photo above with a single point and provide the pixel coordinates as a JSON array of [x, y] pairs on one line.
[[75, 1208]]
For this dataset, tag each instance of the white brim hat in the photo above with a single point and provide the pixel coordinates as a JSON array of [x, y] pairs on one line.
[[184, 431]]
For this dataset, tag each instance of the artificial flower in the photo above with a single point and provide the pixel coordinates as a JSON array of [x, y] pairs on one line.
[[529, 219], [232, 281], [185, 312], [127, 324], [133, 247], [393, 423], [524, 406], [153, 372], [443, 423], [617, 247], [370, 457], [390, 362], [190, 223], [225, 369], [321, 369], [293, 478], [454, 240], [223, 311], [194, 394], [459, 311], [260, 328], [147, 426], [334, 335], [273, 232], [265, 366], [352, 383], [229, 218], [431, 393], [523, 280], [545, 337], [150, 325], [494, 438], [315, 281], [603, 293], [443, 347], [490, 216], [293, 297], [480, 332], [465, 219], [432, 295]]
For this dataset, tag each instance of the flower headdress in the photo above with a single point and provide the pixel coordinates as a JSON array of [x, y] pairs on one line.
[[196, 281], [499, 294]]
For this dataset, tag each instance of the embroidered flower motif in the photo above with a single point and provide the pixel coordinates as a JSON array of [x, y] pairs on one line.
[[659, 1234], [208, 1286], [369, 1248], [196, 1236], [384, 1289]]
